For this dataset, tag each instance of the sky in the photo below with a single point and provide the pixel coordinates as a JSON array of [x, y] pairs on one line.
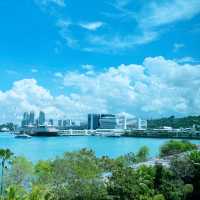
[[73, 57]]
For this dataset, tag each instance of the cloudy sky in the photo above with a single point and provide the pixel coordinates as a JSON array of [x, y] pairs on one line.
[[73, 57]]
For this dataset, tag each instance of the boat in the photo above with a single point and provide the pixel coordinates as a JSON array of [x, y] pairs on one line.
[[41, 131], [23, 136]]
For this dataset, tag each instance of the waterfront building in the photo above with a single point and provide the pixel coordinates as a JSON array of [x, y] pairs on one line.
[[37, 122], [108, 121], [31, 118], [25, 120], [93, 121], [142, 124], [131, 123], [122, 122], [60, 123], [51, 122], [41, 118], [67, 123]]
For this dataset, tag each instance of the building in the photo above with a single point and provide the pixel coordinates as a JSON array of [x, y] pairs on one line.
[[142, 124], [41, 118], [93, 121], [25, 120], [121, 122], [108, 121], [60, 123], [31, 118], [51, 122], [131, 123], [67, 123]]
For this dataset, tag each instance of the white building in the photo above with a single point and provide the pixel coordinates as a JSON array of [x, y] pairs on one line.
[[131, 123], [108, 121]]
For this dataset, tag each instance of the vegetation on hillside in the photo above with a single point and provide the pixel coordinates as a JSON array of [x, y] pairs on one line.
[[175, 146], [184, 122], [81, 175]]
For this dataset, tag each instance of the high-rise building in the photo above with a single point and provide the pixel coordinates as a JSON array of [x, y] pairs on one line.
[[108, 121], [37, 122], [25, 120], [41, 118], [51, 122], [93, 121], [31, 118], [67, 123], [60, 123]]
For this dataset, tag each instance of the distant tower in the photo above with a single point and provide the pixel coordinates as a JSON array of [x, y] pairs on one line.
[[32, 118], [41, 118], [60, 123], [93, 121], [25, 120], [51, 122]]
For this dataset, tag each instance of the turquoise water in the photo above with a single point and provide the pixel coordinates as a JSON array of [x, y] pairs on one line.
[[38, 148]]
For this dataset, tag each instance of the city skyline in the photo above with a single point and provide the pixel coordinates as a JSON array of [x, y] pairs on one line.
[[94, 122], [100, 57]]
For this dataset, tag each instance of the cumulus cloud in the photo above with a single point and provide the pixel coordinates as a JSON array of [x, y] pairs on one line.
[[92, 26], [157, 87], [28, 95]]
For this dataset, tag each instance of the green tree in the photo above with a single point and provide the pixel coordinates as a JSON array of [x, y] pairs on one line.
[[43, 172], [77, 175], [21, 172], [142, 154], [5, 155], [130, 184], [175, 146]]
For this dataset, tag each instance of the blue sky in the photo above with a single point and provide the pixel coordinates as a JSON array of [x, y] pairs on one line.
[[64, 46]]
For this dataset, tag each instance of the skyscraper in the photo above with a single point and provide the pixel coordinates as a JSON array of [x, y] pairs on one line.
[[31, 120], [41, 118], [25, 120], [93, 121], [60, 123], [51, 122]]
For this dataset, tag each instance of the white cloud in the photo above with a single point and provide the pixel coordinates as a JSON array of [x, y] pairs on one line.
[[157, 87], [34, 70], [178, 46], [187, 59], [87, 67], [115, 43], [58, 74], [148, 22], [166, 12], [12, 72], [60, 3], [92, 26]]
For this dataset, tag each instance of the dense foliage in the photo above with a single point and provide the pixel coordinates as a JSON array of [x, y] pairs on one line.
[[82, 176], [184, 122], [175, 146]]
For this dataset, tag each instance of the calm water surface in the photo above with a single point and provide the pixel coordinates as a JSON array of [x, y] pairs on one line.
[[38, 148]]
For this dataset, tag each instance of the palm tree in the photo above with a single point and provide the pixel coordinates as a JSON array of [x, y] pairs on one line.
[[5, 155]]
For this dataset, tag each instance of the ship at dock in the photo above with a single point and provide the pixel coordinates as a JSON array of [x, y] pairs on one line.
[[40, 131], [37, 127]]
